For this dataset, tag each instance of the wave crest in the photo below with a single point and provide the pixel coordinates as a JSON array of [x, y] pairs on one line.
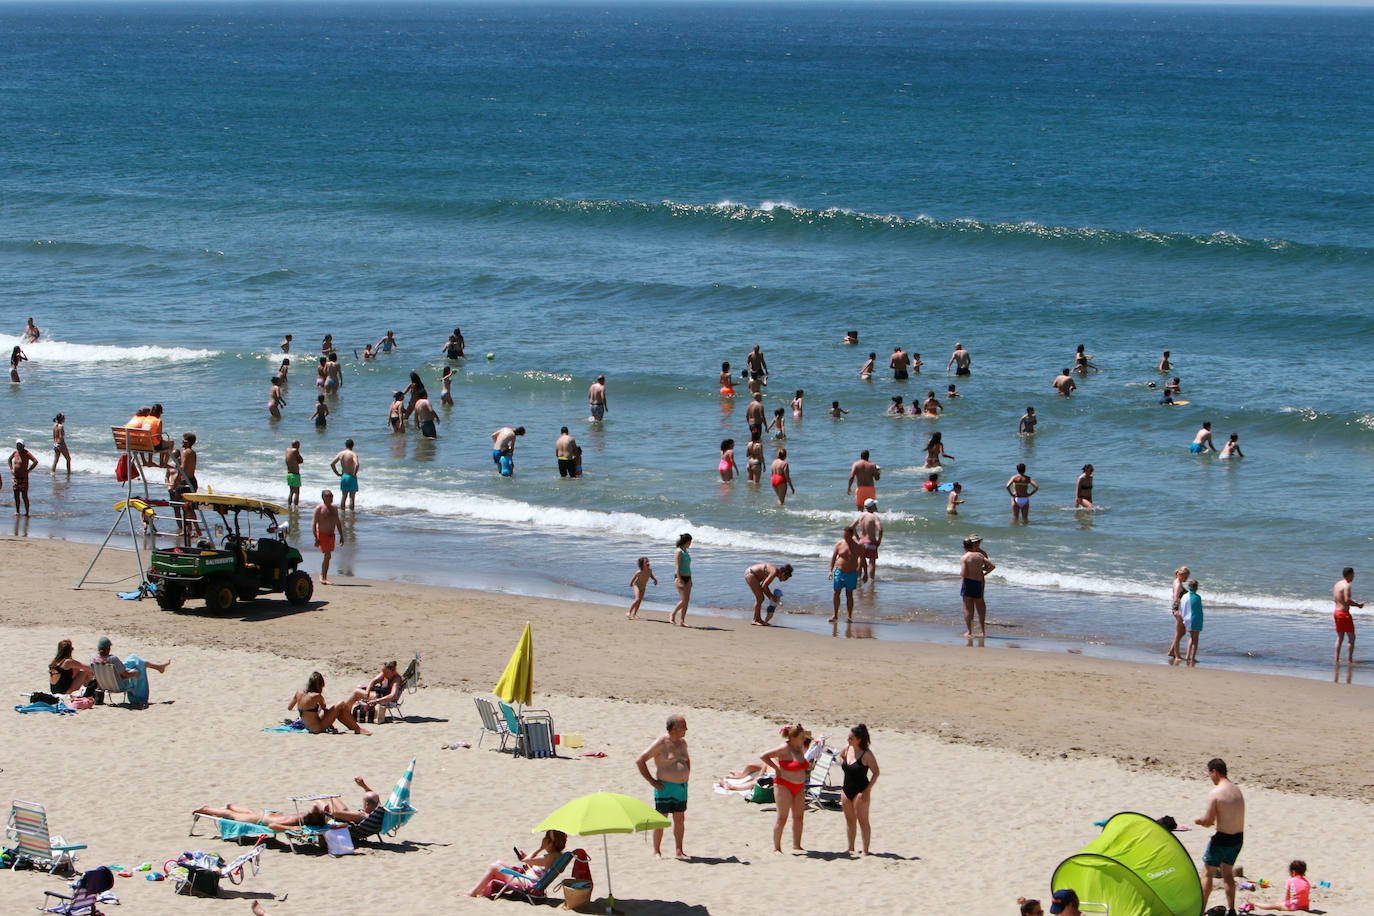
[[61, 351]]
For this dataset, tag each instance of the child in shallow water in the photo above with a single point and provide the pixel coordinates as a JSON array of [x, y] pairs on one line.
[[639, 582], [778, 423]]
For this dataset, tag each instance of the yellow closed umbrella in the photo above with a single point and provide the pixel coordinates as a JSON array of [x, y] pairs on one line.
[[517, 681], [599, 814]]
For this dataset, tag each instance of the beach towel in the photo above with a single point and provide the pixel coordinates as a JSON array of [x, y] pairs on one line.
[[60, 709], [297, 726]]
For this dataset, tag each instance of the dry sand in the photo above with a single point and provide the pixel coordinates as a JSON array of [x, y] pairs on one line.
[[995, 763]]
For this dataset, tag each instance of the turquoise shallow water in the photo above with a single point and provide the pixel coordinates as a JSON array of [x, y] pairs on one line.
[[647, 191]]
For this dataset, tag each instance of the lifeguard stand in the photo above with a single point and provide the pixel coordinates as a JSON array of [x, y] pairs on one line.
[[140, 450]]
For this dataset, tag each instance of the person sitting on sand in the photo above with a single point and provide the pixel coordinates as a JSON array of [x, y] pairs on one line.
[[531, 867], [66, 675], [317, 815], [759, 577], [386, 687], [133, 671], [1296, 893], [319, 717]]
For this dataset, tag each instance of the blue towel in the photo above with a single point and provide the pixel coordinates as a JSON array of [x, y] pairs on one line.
[[297, 726], [60, 709]]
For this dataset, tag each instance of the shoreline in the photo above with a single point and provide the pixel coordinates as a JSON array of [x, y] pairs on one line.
[[910, 687]]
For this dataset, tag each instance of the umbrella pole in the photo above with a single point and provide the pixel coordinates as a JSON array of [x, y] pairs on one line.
[[610, 894]]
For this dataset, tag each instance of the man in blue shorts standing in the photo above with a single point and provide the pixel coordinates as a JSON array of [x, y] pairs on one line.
[[1226, 812], [974, 566], [673, 765], [844, 572]]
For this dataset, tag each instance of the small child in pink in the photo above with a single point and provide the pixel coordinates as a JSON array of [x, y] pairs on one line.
[[1296, 892]]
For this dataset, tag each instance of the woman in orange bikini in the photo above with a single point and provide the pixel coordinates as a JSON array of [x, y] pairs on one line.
[[789, 766]]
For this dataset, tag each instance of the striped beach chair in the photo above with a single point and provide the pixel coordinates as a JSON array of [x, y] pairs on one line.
[[28, 828]]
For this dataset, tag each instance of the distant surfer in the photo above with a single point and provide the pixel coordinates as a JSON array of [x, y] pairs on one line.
[[596, 398], [1021, 487], [1202, 442], [1064, 384], [1345, 623], [960, 359]]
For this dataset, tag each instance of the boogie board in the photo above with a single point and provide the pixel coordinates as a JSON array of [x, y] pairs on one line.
[[1177, 403]]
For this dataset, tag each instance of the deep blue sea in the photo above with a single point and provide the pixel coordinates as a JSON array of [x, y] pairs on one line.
[[646, 191]]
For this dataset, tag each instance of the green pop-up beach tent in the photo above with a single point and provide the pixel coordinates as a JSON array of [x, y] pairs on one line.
[[1135, 867]]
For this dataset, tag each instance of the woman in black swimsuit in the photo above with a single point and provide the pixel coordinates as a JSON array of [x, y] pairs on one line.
[[66, 674], [857, 762]]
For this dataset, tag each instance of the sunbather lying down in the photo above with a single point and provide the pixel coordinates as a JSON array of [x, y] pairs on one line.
[[317, 815]]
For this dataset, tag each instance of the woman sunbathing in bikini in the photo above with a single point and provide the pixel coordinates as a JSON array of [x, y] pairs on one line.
[[317, 815], [317, 716]]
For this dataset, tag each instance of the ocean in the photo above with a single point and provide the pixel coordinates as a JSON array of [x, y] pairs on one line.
[[646, 191]]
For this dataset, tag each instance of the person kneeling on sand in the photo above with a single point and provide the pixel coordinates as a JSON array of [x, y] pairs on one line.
[[317, 815], [319, 717], [531, 867], [133, 671]]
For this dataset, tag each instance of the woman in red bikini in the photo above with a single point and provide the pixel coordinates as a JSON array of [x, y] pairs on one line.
[[789, 765]]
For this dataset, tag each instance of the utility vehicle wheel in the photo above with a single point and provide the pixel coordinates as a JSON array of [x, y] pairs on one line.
[[299, 587]]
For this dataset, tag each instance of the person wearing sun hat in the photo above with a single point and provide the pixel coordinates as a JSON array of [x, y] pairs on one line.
[[1065, 902], [21, 462], [974, 566]]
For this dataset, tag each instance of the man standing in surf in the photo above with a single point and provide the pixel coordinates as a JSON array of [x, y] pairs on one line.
[[1345, 623], [863, 474], [346, 464], [974, 566], [960, 359], [868, 528], [596, 398]]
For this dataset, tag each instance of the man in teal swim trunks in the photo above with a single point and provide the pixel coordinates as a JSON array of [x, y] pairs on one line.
[[1225, 811], [844, 572], [673, 765], [346, 465]]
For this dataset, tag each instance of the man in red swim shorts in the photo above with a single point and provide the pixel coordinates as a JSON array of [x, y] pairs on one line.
[[1345, 624], [325, 523]]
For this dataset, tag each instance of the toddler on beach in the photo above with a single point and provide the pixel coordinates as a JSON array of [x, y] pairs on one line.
[[639, 582], [1295, 894]]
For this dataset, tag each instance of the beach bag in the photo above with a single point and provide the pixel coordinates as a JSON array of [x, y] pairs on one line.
[[200, 882], [125, 469], [581, 866], [39, 696], [762, 794], [339, 842]]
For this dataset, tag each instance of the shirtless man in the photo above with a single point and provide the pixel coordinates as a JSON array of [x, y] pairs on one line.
[[673, 766], [754, 415], [1064, 384], [1345, 623], [1202, 441], [1164, 364], [1225, 811], [294, 460], [503, 447], [346, 466], [864, 474], [324, 524], [596, 398], [974, 566], [565, 449], [899, 362], [844, 572], [960, 360], [426, 418], [758, 366], [31, 332], [868, 530], [1028, 421], [21, 462], [1021, 487], [181, 479]]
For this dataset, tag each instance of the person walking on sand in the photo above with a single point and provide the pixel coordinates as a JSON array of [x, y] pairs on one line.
[[672, 768], [503, 448], [324, 524], [960, 359], [1191, 608], [780, 476], [59, 443], [682, 578], [1345, 623], [639, 582], [21, 462], [1021, 487], [790, 766], [1226, 812], [1179, 589], [346, 465], [596, 398], [758, 577], [863, 475], [974, 566], [860, 770], [868, 529], [294, 460], [844, 572], [1083, 492]]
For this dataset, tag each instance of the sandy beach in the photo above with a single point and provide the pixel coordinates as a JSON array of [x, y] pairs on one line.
[[994, 763]]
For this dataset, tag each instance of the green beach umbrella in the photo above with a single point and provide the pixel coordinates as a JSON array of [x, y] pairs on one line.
[[599, 814], [517, 681]]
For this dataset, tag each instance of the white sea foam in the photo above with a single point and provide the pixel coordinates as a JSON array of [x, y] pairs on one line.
[[61, 351]]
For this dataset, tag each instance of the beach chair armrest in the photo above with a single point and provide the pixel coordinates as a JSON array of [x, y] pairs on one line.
[[67, 847]]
